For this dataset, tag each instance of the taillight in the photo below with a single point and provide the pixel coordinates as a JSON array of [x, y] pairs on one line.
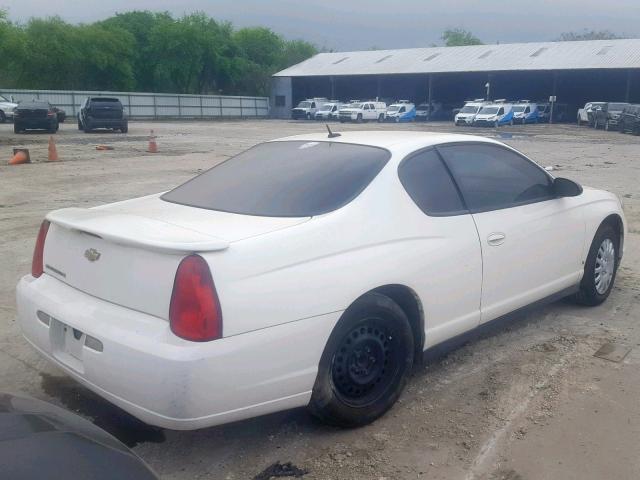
[[37, 266], [194, 312]]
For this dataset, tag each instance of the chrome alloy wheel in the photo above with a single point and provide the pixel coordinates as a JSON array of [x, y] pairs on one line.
[[605, 265]]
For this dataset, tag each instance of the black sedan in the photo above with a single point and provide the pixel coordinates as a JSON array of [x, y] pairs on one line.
[[40, 440], [35, 115]]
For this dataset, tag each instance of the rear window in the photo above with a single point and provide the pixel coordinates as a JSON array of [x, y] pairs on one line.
[[105, 100], [284, 179]]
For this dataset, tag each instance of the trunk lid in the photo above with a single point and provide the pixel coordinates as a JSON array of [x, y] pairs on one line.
[[127, 253]]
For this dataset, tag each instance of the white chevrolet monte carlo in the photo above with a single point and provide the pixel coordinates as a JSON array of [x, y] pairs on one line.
[[309, 270]]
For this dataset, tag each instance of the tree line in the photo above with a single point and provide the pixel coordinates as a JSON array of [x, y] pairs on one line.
[[147, 52]]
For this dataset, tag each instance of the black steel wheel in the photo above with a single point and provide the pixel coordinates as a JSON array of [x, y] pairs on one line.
[[367, 357], [365, 364]]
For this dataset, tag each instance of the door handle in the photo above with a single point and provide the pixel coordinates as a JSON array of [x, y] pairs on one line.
[[495, 239]]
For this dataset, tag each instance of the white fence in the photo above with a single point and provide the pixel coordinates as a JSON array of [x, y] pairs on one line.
[[154, 105]]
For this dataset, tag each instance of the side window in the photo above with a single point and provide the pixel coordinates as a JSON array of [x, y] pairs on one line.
[[313, 104], [527, 110], [334, 108], [402, 110], [501, 111], [366, 106], [429, 185], [492, 177]]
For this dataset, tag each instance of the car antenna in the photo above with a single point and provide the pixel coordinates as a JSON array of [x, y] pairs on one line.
[[331, 134]]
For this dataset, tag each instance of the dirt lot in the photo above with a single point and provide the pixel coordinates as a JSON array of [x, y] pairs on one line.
[[526, 400]]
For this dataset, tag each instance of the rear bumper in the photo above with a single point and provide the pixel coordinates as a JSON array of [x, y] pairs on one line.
[[161, 379], [36, 123], [106, 122]]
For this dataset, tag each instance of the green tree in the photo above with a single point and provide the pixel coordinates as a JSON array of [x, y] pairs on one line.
[[296, 51], [145, 51], [456, 37], [587, 35], [106, 58], [50, 55], [140, 24]]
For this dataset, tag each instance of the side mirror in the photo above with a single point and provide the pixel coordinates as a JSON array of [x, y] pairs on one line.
[[563, 187]]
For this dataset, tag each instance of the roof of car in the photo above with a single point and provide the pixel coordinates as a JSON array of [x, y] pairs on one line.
[[389, 139]]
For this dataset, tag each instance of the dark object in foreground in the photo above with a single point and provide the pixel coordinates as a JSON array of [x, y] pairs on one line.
[[61, 114], [40, 440], [278, 470], [35, 115]]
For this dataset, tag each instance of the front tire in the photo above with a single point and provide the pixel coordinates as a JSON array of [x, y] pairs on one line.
[[365, 364], [359, 118], [3, 118], [600, 268]]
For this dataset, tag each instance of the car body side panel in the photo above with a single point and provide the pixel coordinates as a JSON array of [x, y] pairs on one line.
[[540, 253]]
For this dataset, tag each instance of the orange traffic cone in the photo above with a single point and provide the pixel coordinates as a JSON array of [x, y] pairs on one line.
[[153, 146], [19, 157], [53, 152]]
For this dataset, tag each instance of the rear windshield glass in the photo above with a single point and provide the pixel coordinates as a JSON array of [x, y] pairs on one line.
[[105, 100], [284, 179]]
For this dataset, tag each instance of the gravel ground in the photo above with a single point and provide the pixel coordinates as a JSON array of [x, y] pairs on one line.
[[524, 400]]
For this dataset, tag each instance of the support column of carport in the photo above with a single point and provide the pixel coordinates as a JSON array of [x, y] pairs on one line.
[[627, 94]]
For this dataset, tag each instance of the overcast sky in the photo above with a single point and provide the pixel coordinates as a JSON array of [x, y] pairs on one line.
[[361, 24]]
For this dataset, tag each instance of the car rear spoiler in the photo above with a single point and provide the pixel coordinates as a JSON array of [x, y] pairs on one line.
[[136, 231]]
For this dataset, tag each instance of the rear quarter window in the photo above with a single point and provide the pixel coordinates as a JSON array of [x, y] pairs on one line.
[[285, 179]]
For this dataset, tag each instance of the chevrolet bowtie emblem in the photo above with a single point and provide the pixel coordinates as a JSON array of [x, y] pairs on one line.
[[92, 254]]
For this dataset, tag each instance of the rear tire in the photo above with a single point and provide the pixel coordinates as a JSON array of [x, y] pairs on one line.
[[381, 118], [365, 364], [600, 268], [125, 128], [16, 128]]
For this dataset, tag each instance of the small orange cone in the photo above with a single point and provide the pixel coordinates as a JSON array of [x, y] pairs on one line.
[[19, 157], [53, 152], [153, 146]]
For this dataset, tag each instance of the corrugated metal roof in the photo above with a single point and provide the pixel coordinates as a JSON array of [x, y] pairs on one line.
[[592, 54]]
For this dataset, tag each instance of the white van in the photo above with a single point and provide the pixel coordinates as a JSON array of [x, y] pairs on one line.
[[307, 108], [329, 111], [363, 112], [525, 111], [402, 111], [494, 115], [467, 114], [425, 112]]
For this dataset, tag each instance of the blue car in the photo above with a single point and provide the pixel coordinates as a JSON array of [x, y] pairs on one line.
[[526, 112], [494, 115], [403, 111]]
